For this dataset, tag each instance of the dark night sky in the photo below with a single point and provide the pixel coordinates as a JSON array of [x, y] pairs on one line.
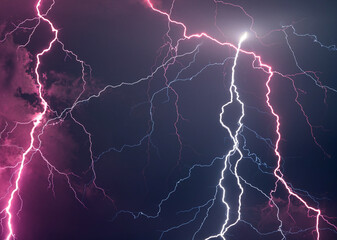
[[138, 164]]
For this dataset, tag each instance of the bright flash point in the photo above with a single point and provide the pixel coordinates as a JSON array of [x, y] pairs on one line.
[[243, 37]]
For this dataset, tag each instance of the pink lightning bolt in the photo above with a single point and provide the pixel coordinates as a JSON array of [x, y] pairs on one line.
[[268, 69], [39, 117], [36, 121]]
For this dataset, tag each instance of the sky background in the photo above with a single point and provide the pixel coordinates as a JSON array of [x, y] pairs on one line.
[[140, 146]]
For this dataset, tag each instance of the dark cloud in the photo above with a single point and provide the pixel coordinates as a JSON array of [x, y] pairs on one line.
[[18, 87]]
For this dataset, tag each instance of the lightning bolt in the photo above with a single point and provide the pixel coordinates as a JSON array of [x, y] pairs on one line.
[[36, 121], [277, 172], [40, 117], [235, 134]]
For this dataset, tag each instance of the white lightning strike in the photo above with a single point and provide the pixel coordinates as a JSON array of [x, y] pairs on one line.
[[233, 91]]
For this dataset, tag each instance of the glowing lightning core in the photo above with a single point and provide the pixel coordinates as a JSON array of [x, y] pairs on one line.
[[242, 38], [234, 137]]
